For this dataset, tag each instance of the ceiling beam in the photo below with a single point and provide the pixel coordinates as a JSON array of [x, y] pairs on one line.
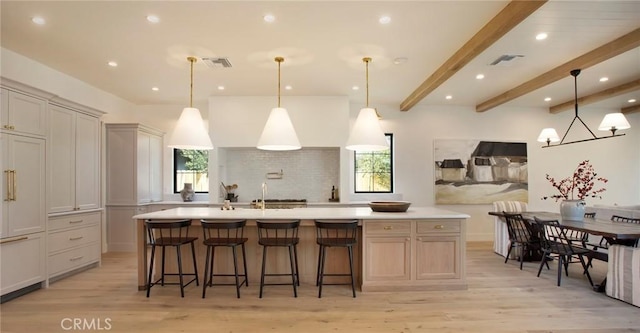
[[510, 16], [598, 96], [607, 51], [631, 109]]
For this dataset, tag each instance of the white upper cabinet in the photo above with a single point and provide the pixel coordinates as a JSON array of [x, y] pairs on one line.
[[74, 151], [23, 114], [134, 164]]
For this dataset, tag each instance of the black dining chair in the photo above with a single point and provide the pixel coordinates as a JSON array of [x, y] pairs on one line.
[[280, 233], [555, 241], [522, 234]]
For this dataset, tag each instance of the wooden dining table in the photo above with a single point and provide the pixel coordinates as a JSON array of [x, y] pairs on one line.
[[614, 232]]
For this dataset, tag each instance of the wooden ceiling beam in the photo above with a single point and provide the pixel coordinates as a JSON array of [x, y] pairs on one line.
[[510, 16], [607, 51], [598, 96], [631, 109]]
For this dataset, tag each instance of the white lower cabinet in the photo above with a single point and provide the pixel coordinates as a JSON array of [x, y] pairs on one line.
[[121, 228], [73, 242], [23, 262]]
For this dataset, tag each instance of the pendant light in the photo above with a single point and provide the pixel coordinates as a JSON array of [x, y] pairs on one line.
[[278, 132], [190, 132], [611, 122], [366, 134]]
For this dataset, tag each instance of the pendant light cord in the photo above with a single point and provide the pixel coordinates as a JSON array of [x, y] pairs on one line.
[[191, 60], [366, 61], [279, 60]]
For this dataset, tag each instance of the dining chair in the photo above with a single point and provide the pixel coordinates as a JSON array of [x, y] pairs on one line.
[[554, 241], [521, 234]]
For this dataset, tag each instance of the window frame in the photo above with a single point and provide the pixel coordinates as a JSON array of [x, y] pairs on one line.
[[389, 137], [177, 189]]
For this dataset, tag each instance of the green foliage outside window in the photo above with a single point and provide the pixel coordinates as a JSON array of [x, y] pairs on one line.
[[191, 166], [374, 170]]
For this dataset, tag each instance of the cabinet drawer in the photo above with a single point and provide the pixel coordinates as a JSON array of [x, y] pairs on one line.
[[438, 226], [23, 262], [72, 259], [386, 227], [72, 238], [76, 220]]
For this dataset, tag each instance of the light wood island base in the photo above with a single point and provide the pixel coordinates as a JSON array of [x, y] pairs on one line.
[[421, 249]]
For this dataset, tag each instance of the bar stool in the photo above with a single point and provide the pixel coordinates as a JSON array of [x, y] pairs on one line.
[[282, 233], [165, 233], [335, 233], [227, 233]]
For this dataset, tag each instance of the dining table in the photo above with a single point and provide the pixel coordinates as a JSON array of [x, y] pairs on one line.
[[620, 233]]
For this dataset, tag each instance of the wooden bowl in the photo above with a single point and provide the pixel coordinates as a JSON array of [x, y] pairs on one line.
[[389, 206]]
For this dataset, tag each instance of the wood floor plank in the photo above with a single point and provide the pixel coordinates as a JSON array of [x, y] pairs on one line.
[[501, 298]]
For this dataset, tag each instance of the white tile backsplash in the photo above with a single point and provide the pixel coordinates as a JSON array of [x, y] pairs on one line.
[[308, 173]]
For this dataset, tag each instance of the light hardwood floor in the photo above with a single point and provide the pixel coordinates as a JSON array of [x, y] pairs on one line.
[[500, 298]]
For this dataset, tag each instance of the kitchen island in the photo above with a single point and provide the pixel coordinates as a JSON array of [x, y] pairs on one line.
[[421, 249]]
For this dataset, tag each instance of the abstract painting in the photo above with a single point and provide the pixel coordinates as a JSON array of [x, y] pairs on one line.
[[480, 172]]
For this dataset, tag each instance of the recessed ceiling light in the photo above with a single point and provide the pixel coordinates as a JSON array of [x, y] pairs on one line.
[[604, 79], [220, 87], [480, 76], [269, 18], [288, 87], [355, 88], [399, 60], [448, 97], [112, 64], [155, 88], [633, 100], [153, 19], [384, 20], [541, 36], [38, 20], [547, 99]]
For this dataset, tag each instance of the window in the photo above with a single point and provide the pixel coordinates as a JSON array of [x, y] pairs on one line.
[[191, 166], [374, 170]]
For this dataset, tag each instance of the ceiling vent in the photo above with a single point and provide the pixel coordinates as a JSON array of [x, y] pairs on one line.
[[505, 59], [217, 62]]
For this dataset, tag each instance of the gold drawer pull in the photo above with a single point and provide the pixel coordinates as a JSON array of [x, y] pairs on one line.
[[11, 127], [75, 238], [13, 240], [388, 227], [76, 258], [439, 226], [76, 221]]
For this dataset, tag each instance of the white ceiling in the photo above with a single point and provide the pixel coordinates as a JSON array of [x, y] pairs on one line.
[[323, 43]]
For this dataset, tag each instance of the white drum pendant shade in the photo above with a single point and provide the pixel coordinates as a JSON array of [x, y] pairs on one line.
[[278, 132], [190, 132], [366, 134]]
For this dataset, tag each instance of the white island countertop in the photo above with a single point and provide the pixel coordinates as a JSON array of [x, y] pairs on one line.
[[360, 213]]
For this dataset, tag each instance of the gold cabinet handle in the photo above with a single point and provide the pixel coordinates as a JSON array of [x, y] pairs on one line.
[[10, 127], [76, 238], [439, 226], [76, 258], [76, 221], [15, 186], [5, 241], [388, 227]]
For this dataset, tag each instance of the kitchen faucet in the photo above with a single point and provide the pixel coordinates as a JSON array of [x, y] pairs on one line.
[[264, 191]]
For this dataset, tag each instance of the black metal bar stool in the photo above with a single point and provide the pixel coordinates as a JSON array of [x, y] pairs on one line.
[[227, 233], [335, 233], [165, 233], [283, 233]]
